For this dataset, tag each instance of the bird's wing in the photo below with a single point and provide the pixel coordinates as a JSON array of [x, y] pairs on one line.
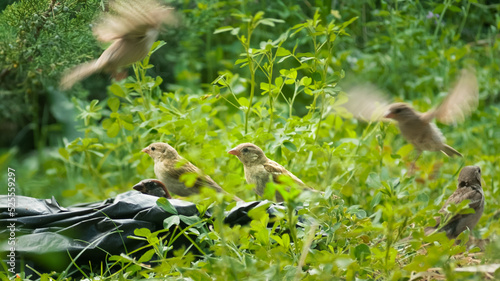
[[79, 73], [464, 193], [367, 102], [201, 180], [459, 102], [276, 170], [461, 194], [132, 18]]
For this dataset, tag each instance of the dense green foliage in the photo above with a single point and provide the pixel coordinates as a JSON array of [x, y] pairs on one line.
[[271, 73]]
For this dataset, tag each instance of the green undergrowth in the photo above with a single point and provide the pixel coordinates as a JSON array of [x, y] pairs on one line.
[[277, 83]]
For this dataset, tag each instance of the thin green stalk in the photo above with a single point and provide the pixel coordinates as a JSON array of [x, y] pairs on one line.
[[440, 19], [295, 94], [464, 19], [292, 226], [145, 100], [252, 76], [270, 81], [323, 98], [305, 250], [324, 75], [226, 83]]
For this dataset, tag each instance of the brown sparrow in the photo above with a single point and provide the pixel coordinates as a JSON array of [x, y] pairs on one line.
[[368, 103], [132, 29], [469, 188], [259, 169], [169, 166], [152, 187]]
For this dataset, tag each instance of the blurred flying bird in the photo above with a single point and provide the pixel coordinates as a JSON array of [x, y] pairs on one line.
[[368, 103], [132, 26]]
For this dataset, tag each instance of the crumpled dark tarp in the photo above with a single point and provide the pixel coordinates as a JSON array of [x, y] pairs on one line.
[[47, 234]]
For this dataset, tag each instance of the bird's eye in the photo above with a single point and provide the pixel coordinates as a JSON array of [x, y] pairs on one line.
[[398, 110], [153, 148], [245, 149]]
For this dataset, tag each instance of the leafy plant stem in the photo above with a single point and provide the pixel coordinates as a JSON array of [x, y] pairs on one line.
[[145, 100], [295, 94], [251, 65], [318, 126], [447, 3], [464, 19], [292, 226], [271, 87]]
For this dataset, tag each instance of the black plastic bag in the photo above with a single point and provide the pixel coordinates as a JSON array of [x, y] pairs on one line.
[[47, 235]]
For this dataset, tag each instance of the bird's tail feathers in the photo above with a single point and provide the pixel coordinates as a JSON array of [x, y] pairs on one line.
[[78, 73], [450, 151]]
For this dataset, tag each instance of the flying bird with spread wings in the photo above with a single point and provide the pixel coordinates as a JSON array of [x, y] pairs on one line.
[[369, 103], [131, 26]]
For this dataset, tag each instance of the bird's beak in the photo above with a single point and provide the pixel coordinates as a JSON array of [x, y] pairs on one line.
[[139, 186], [234, 152], [389, 114], [146, 150]]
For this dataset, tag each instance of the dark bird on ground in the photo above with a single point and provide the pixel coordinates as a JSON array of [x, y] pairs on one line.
[[132, 26], [469, 188], [259, 169], [169, 166], [152, 187], [366, 102]]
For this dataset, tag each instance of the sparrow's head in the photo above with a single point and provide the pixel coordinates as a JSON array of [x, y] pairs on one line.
[[152, 187], [248, 153], [161, 151], [469, 175], [401, 112]]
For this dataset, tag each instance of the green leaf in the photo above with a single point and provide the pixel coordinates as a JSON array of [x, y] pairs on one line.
[[281, 52], [157, 45], [305, 81], [143, 232], [64, 153], [189, 179], [165, 205], [189, 220], [170, 221], [113, 130], [121, 258], [454, 9], [376, 200], [278, 82], [236, 31], [147, 256], [264, 87], [114, 104], [244, 102], [290, 146], [244, 61], [362, 252], [158, 81], [439, 8], [223, 29], [347, 23], [117, 90]]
